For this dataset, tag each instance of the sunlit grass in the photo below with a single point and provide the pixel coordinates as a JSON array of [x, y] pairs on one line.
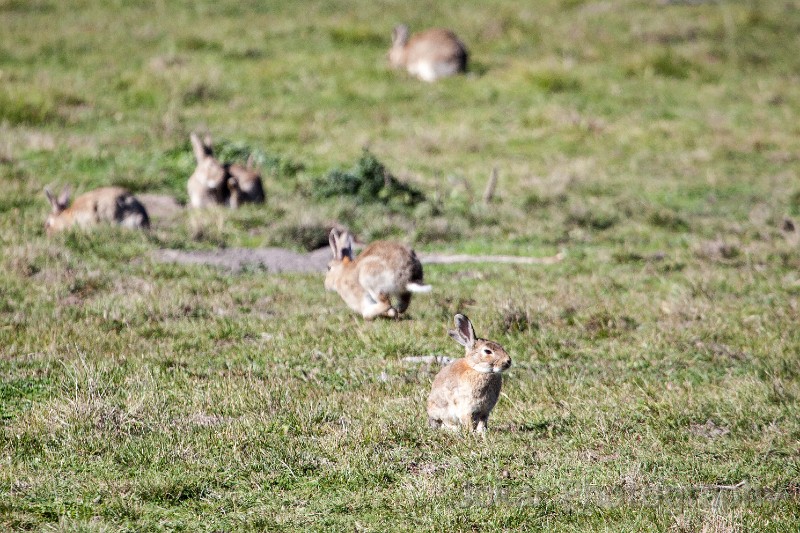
[[655, 367]]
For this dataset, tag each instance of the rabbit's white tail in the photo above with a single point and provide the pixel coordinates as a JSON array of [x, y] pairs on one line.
[[416, 287]]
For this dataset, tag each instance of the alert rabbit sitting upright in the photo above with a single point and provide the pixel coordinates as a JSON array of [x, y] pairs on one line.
[[367, 283], [465, 391], [208, 184], [113, 205], [428, 55]]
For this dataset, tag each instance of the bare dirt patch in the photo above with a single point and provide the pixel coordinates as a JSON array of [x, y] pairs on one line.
[[274, 260], [278, 260]]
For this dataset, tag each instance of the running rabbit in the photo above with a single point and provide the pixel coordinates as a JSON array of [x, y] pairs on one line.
[[367, 283]]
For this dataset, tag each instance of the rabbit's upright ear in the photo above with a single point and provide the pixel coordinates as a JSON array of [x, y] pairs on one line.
[[400, 35], [346, 245], [208, 145], [464, 334], [332, 241], [250, 162], [341, 244], [63, 198], [198, 147], [52, 200]]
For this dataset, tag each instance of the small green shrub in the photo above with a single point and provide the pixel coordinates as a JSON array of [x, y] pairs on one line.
[[369, 182]]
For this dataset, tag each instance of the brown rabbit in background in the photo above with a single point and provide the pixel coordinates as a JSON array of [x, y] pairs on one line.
[[244, 184], [428, 55], [465, 391], [367, 283], [208, 184], [113, 205]]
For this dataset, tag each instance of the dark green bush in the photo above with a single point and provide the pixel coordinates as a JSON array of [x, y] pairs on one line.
[[369, 182]]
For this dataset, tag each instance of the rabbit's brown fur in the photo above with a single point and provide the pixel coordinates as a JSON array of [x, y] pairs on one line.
[[465, 391], [113, 205], [428, 55], [244, 184], [208, 184], [367, 283]]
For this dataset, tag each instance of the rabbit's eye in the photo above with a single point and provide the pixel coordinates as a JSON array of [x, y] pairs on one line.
[[487, 351]]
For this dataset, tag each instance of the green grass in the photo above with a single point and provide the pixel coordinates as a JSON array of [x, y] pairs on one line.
[[657, 144]]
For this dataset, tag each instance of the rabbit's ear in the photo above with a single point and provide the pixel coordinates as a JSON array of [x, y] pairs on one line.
[[346, 245], [52, 200], [63, 198], [400, 35], [464, 334], [250, 162], [332, 241], [198, 147], [209, 146]]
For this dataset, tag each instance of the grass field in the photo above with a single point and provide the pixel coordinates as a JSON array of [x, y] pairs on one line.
[[656, 369]]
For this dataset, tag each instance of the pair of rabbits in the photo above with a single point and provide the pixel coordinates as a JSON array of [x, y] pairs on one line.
[[211, 183], [216, 183], [465, 391], [429, 55]]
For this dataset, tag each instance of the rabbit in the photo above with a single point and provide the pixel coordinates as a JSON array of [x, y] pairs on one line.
[[208, 185], [244, 184], [465, 391], [107, 204], [429, 55], [367, 283]]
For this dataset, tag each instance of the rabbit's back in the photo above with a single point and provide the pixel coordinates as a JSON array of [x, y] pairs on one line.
[[435, 53], [105, 205], [113, 204], [130, 212], [248, 182], [388, 265]]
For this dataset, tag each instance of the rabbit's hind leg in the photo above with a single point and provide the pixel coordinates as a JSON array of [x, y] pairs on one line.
[[382, 306], [403, 302]]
